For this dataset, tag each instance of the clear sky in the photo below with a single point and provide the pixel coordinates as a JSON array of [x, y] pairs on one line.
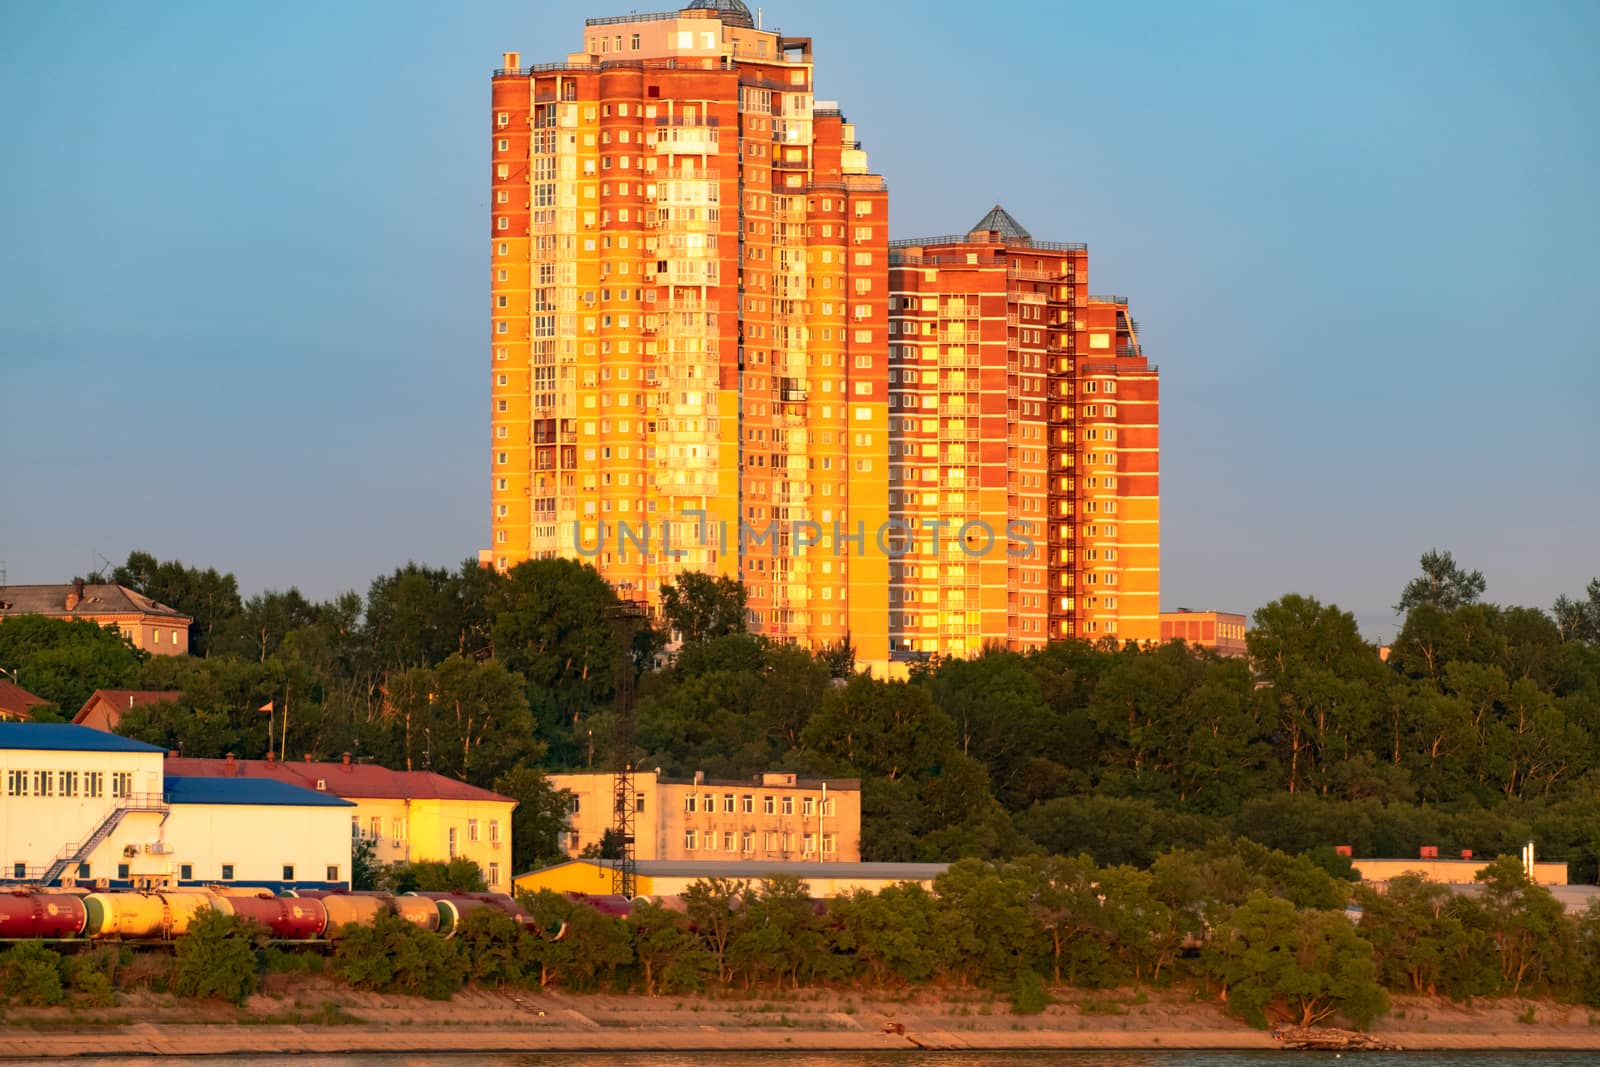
[[244, 280]]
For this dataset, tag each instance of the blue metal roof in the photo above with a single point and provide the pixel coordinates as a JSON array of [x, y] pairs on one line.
[[66, 737], [264, 791]]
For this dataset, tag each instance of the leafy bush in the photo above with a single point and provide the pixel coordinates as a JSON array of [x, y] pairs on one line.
[[1028, 995], [395, 956], [217, 958], [32, 974]]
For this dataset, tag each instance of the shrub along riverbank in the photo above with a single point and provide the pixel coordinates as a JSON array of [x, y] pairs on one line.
[[1276, 937]]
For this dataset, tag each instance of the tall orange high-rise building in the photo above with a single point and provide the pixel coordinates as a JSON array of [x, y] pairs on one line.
[[690, 292], [1022, 428], [691, 361]]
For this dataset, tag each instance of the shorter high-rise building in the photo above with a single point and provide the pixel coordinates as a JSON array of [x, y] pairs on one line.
[[1023, 448], [777, 817]]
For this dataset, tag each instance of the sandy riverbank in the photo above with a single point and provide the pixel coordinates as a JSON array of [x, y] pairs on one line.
[[317, 1019]]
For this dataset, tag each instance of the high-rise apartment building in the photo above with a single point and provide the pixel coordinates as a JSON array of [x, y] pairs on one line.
[[1023, 430], [690, 293], [697, 364]]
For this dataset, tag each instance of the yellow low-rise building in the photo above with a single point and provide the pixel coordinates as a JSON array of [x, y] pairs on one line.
[[409, 816], [667, 878], [773, 818], [1449, 871]]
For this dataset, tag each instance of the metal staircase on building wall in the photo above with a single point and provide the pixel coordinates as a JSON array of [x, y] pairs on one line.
[[74, 854]]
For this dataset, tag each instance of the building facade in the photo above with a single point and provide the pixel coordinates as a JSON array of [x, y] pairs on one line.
[[689, 299], [1024, 448], [779, 817], [148, 625], [408, 816], [697, 364], [16, 703], [1222, 632], [84, 807]]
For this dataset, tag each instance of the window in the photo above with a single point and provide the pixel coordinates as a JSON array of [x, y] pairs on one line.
[[829, 844], [747, 804], [727, 803], [43, 783], [399, 830], [747, 841], [727, 841], [769, 841], [376, 827], [227, 872], [93, 783], [788, 805], [808, 805], [69, 783], [452, 843], [19, 870], [494, 831], [16, 783], [332, 872], [689, 802], [472, 829], [185, 872], [494, 875], [122, 872], [710, 803], [689, 840], [83, 870], [808, 843], [638, 802], [288, 872], [769, 805], [827, 806]]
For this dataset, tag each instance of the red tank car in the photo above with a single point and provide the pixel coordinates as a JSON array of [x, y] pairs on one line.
[[287, 919], [26, 914]]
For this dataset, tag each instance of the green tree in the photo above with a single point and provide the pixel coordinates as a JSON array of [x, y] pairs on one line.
[[435, 876], [366, 872], [717, 908], [1443, 584], [1533, 938], [896, 934], [882, 729], [208, 597], [989, 921], [1425, 941], [1312, 961], [553, 623], [700, 607], [216, 959], [782, 935], [66, 661], [497, 950], [392, 955], [539, 818], [31, 974], [670, 957]]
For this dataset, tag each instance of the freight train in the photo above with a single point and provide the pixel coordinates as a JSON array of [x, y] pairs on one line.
[[304, 915]]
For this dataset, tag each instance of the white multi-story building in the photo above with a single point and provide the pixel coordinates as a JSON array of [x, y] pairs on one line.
[[78, 806]]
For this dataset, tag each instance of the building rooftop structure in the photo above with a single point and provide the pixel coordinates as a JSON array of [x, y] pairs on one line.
[[343, 779], [66, 737], [1000, 221], [81, 600], [105, 707], [16, 702], [255, 791]]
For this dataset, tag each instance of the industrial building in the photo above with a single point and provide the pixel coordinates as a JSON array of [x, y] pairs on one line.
[[658, 878], [84, 807], [775, 818], [409, 816]]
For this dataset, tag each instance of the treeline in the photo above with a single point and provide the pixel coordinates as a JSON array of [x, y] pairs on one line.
[[1271, 936], [1481, 731]]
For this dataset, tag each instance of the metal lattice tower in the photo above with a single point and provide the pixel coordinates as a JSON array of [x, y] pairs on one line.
[[627, 617]]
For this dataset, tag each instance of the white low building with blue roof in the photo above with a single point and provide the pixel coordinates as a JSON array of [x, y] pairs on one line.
[[83, 807]]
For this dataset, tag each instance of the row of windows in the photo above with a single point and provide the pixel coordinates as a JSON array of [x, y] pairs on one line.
[[185, 872], [770, 805], [397, 828], [695, 841], [20, 783]]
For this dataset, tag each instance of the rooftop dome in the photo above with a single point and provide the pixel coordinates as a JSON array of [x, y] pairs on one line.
[[732, 12]]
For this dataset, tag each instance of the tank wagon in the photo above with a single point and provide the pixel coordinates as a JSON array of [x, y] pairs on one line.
[[164, 914]]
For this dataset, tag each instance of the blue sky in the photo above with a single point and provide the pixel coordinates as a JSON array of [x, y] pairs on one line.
[[243, 292]]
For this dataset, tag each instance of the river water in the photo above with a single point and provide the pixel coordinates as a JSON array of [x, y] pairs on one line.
[[1174, 1058]]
